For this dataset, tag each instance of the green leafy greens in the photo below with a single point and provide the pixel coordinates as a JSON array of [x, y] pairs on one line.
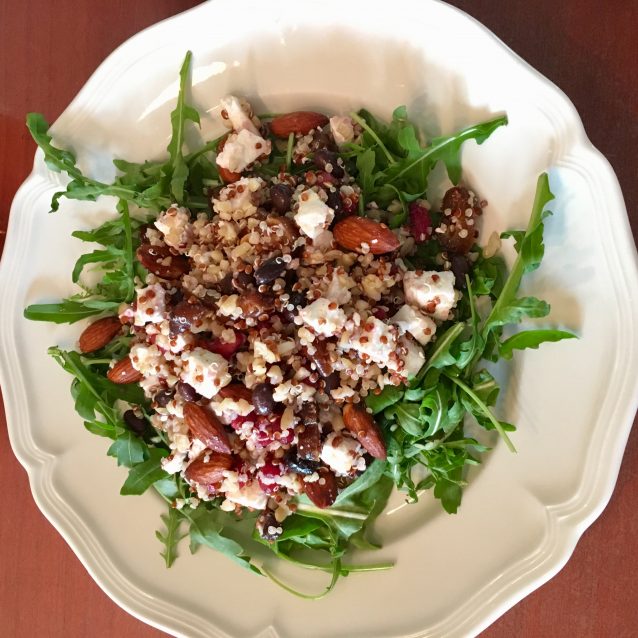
[[423, 421]]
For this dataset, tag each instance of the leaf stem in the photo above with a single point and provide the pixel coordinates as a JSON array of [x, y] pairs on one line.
[[488, 413], [359, 120], [336, 570]]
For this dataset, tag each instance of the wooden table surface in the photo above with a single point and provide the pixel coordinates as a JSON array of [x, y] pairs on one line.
[[49, 49]]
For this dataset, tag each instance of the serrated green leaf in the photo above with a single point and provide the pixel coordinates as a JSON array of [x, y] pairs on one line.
[[143, 475]]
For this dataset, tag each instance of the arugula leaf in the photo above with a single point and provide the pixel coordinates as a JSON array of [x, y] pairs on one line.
[[446, 149], [128, 449], [171, 537], [176, 166], [206, 528], [508, 309], [531, 339], [379, 402], [67, 311], [144, 474]]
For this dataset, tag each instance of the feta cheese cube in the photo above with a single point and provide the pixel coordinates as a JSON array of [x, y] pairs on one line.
[[268, 354], [342, 129], [250, 495], [431, 291], [235, 201], [414, 358], [324, 317], [339, 288], [151, 305], [238, 112], [342, 454], [242, 149], [206, 371], [175, 226], [145, 359], [408, 319], [375, 339], [313, 214]]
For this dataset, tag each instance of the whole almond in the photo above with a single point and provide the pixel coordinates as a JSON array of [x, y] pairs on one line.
[[236, 391], [124, 372], [361, 235], [297, 122], [209, 472], [99, 333], [205, 426], [160, 261], [361, 424], [227, 176], [324, 491]]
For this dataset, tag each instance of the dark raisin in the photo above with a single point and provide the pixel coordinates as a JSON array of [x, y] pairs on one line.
[[323, 158], [270, 270], [309, 414], [135, 423], [460, 268], [321, 358], [268, 526], [163, 398], [322, 140], [335, 202], [242, 281], [225, 286], [262, 399], [309, 443], [299, 465], [184, 315], [333, 381], [187, 392], [297, 299], [281, 197], [254, 304]]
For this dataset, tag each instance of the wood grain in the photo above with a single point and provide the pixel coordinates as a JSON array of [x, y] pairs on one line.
[[48, 50]]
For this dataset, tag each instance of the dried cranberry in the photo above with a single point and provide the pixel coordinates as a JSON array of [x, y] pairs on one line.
[[271, 470], [420, 222], [225, 348], [238, 422], [287, 436], [267, 428], [268, 488]]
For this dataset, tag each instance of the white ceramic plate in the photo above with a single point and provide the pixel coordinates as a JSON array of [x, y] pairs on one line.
[[574, 402]]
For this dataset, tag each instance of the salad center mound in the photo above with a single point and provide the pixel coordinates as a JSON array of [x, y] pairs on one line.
[[292, 327]]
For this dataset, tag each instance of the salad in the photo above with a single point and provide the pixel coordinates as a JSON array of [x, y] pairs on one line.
[[288, 323]]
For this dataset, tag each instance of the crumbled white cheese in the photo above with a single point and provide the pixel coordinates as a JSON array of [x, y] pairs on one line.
[[228, 409], [375, 339], [324, 241], [313, 214], [408, 319], [340, 453], [206, 371], [175, 225], [235, 201], [250, 495], [242, 149], [339, 287], [151, 305], [342, 129], [145, 359], [238, 112], [174, 463], [229, 307], [324, 317], [262, 349], [431, 291], [414, 359]]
